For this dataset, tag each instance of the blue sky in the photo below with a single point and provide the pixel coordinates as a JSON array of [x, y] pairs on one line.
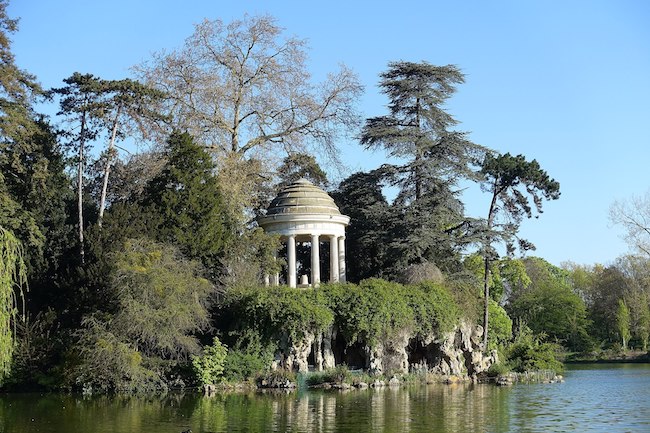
[[564, 82]]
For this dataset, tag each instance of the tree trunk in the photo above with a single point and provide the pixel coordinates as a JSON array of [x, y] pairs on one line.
[[418, 156], [80, 186], [486, 276], [107, 168]]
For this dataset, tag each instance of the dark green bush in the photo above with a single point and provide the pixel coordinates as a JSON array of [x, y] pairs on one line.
[[248, 359], [498, 369], [339, 374], [531, 353]]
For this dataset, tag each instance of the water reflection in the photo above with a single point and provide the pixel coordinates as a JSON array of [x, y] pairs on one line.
[[607, 399]]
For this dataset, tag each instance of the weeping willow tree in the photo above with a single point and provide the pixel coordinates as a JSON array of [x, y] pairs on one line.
[[12, 274]]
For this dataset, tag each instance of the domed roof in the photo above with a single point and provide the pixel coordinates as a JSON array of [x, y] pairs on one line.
[[302, 197]]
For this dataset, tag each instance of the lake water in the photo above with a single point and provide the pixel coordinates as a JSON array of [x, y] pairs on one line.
[[594, 398]]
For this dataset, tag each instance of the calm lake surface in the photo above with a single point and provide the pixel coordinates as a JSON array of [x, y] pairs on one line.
[[594, 398]]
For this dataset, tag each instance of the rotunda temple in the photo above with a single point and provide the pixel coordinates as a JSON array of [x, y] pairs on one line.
[[303, 212]]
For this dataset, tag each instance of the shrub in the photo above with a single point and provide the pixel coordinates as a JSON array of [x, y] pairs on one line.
[[434, 307], [209, 367], [531, 353], [373, 310], [276, 379], [107, 364], [500, 326], [339, 374], [248, 358], [271, 311], [498, 369]]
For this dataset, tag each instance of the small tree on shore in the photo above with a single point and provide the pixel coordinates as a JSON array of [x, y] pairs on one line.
[[623, 322]]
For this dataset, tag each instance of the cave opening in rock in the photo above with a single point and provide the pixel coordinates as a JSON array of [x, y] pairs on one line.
[[311, 359], [421, 356], [354, 355]]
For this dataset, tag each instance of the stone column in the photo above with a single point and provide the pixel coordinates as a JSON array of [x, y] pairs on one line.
[[275, 278], [342, 276], [315, 261], [267, 280], [291, 258], [334, 259]]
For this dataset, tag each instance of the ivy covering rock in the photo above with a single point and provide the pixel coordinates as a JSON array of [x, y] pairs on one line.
[[379, 326]]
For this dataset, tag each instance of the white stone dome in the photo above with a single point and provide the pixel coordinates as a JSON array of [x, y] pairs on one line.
[[302, 197]]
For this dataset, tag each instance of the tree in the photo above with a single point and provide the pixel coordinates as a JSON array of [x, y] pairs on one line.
[[360, 197], [161, 302], [301, 165], [12, 276], [609, 285], [511, 180], [637, 296], [549, 306], [419, 130], [633, 214], [34, 188], [126, 108], [17, 87], [184, 206], [81, 105], [18, 90], [243, 90], [623, 323]]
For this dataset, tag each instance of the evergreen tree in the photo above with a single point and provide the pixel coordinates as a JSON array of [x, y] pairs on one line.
[[34, 188], [184, 204], [81, 106], [298, 166], [419, 131], [360, 197]]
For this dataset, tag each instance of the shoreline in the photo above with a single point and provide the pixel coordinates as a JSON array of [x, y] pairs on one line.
[[631, 357]]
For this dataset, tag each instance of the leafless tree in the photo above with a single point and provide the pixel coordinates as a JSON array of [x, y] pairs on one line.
[[633, 214], [243, 89]]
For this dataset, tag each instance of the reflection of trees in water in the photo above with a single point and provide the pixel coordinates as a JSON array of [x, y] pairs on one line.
[[466, 407], [65, 413], [434, 408]]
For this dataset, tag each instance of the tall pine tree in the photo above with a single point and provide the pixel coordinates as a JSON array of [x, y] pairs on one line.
[[419, 131]]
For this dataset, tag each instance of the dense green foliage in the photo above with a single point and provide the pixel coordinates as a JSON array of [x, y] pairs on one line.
[[549, 305], [250, 357], [369, 312], [12, 275], [530, 353], [500, 327], [274, 310], [160, 303], [209, 366]]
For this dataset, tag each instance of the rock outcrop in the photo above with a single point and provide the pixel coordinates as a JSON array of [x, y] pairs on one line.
[[455, 353]]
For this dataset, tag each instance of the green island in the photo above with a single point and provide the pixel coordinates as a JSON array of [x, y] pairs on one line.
[[222, 254]]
